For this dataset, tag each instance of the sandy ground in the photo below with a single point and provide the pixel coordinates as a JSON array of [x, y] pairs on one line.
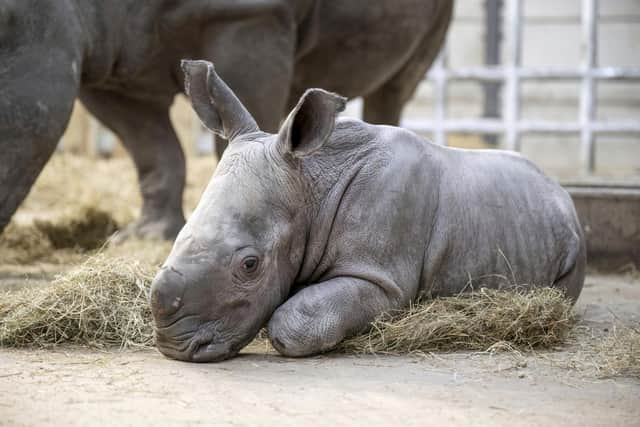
[[76, 386]]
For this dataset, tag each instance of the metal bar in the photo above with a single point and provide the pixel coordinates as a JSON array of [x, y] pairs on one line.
[[621, 126], [588, 88], [492, 38], [493, 126], [104, 140], [203, 142], [627, 126], [499, 74], [511, 104], [474, 73], [440, 98], [484, 126], [616, 73]]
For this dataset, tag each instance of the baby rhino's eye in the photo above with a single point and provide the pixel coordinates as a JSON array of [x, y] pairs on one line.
[[250, 264]]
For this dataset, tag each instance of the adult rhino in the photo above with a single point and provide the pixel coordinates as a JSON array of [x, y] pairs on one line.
[[320, 228], [122, 59]]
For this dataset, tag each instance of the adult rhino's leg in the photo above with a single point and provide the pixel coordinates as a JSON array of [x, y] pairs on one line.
[[36, 99], [385, 104], [148, 135], [255, 58], [318, 317], [21, 161]]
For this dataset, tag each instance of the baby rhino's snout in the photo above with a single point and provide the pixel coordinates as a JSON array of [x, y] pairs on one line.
[[167, 291]]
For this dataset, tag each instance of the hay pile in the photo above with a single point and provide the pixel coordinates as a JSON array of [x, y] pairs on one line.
[[84, 230], [104, 302], [481, 320]]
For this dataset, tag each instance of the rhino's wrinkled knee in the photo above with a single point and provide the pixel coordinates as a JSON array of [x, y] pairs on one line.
[[293, 330], [303, 327], [285, 337]]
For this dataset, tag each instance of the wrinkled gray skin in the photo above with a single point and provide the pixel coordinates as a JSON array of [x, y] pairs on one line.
[[318, 229], [121, 58]]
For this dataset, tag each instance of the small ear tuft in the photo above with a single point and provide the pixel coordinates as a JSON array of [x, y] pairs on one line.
[[311, 122]]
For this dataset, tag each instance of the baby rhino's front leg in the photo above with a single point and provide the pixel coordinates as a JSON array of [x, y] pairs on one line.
[[321, 315]]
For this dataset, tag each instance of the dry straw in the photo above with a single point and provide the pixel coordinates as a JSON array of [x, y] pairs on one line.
[[479, 320], [610, 353], [104, 302], [24, 244], [618, 354], [86, 229]]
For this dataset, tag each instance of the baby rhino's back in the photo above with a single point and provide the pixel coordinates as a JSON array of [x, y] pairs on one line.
[[500, 221]]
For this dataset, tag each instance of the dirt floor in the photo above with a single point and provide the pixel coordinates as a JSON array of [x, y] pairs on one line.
[[77, 386], [80, 386]]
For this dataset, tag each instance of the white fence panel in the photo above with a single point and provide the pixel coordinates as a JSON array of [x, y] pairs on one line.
[[511, 74]]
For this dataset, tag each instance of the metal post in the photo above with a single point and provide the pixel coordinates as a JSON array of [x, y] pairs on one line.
[[511, 104], [440, 97], [588, 88], [103, 139], [492, 38]]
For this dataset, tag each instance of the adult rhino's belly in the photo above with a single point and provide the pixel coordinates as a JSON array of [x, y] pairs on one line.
[[356, 53], [358, 72]]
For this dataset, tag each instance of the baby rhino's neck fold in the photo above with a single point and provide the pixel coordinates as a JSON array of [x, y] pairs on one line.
[[331, 172]]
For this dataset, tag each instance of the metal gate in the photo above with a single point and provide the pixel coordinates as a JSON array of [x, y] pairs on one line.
[[510, 74]]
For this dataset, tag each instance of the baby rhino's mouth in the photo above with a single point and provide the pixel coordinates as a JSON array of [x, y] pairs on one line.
[[211, 352], [204, 345]]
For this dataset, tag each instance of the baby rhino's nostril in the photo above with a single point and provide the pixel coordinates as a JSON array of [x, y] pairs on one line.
[[166, 293]]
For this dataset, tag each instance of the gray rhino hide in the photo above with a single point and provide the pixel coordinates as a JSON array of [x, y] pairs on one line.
[[322, 227]]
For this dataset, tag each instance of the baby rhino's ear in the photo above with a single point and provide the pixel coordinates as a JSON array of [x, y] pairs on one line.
[[311, 122], [216, 105]]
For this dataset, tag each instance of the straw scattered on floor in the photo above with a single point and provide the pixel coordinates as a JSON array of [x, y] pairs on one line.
[[613, 352], [86, 229], [619, 353], [538, 318], [24, 244], [103, 302]]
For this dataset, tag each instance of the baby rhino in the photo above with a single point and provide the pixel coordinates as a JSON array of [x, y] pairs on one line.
[[319, 229]]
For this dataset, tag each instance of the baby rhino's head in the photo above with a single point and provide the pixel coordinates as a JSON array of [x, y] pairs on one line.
[[234, 261]]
